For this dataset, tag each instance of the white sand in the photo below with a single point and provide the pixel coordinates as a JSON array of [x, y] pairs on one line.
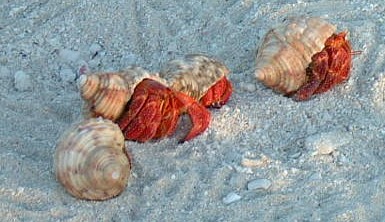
[[324, 158]]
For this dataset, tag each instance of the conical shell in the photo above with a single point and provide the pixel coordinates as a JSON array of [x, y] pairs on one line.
[[194, 74], [91, 161], [106, 94], [286, 52]]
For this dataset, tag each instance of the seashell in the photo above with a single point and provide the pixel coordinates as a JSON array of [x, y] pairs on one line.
[[91, 161], [286, 52], [106, 94], [194, 74]]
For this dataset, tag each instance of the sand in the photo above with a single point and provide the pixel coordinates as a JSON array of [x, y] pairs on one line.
[[264, 157]]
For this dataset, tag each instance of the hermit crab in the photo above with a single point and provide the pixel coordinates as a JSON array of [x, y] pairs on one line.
[[91, 161], [286, 52], [145, 107], [302, 55]]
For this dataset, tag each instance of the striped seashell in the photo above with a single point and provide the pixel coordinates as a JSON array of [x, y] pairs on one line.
[[91, 161], [194, 74], [286, 51], [106, 94]]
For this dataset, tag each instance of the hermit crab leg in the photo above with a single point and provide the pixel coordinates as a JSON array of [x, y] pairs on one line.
[[199, 115], [170, 118], [317, 73], [143, 127], [336, 67]]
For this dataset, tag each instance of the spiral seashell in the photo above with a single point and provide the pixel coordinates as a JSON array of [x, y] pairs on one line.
[[286, 52], [106, 94], [194, 74], [91, 161]]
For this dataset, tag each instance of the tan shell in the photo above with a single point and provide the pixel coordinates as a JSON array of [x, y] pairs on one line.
[[106, 94], [91, 161], [194, 74], [286, 52]]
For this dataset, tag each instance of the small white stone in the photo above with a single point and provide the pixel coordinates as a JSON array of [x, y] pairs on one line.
[[69, 55], [231, 198], [316, 176], [327, 142], [19, 190], [67, 75], [259, 184], [248, 87], [22, 81], [94, 48], [263, 161]]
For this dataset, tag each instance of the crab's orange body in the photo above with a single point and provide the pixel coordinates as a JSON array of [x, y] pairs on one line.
[[329, 67], [218, 94], [154, 110]]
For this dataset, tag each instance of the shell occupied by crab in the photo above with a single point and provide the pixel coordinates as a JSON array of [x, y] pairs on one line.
[[286, 52], [91, 161], [201, 77]]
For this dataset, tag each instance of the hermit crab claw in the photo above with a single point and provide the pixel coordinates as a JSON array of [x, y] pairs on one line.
[[199, 115]]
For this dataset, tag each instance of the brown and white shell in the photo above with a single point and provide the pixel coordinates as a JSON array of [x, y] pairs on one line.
[[91, 161], [106, 94], [286, 52], [194, 74]]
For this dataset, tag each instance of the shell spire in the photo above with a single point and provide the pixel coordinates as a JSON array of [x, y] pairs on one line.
[[286, 52], [106, 94]]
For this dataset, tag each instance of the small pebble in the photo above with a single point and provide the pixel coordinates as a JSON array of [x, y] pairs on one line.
[[22, 81], [327, 142], [248, 87], [69, 55], [95, 48], [259, 184], [316, 176], [67, 75], [231, 198], [255, 163]]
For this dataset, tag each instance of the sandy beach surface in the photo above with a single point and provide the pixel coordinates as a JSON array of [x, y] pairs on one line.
[[264, 157]]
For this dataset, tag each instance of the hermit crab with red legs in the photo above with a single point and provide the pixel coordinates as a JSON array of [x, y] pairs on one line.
[[303, 57], [145, 107]]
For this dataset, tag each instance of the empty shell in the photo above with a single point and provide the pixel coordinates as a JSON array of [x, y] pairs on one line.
[[286, 52], [194, 74], [91, 161], [106, 94]]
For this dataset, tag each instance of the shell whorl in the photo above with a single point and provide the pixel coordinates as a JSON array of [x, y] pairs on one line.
[[286, 52], [91, 161], [106, 94], [194, 74]]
